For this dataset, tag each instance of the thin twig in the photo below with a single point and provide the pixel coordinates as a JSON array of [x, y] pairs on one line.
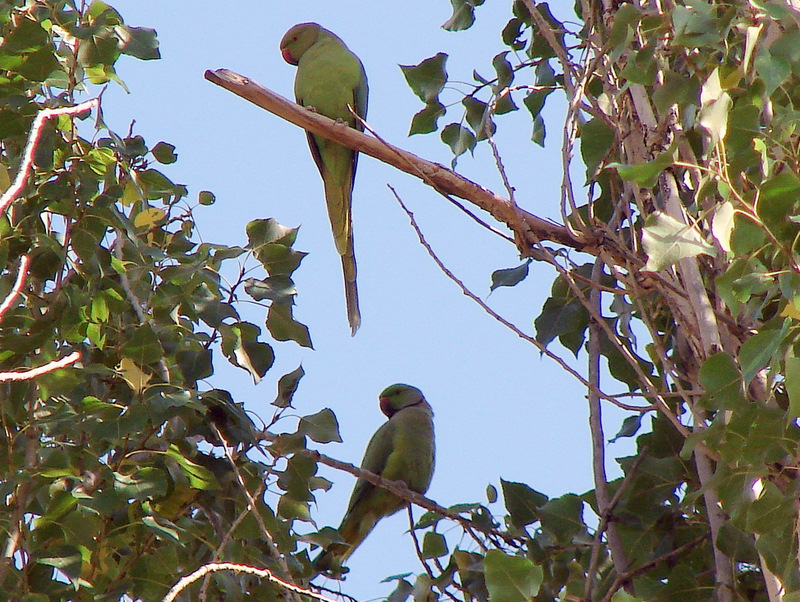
[[490, 311], [134, 301], [271, 546], [605, 520], [227, 537], [418, 549], [621, 579], [427, 179], [615, 546]]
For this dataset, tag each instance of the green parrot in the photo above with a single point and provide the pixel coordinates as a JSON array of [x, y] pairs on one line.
[[329, 79], [402, 449]]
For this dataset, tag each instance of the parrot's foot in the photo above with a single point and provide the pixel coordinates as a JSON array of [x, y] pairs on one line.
[[312, 109]]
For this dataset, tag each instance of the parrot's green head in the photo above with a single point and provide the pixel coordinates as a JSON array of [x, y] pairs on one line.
[[297, 40], [396, 397]]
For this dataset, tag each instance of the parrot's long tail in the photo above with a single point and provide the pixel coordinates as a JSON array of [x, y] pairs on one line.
[[351, 290]]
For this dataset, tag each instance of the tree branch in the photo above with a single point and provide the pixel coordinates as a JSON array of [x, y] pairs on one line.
[[532, 229], [400, 490], [186, 581], [22, 276], [26, 166], [604, 505], [38, 371]]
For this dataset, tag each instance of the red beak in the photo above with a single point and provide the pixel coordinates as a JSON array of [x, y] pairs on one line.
[[287, 56], [386, 407]]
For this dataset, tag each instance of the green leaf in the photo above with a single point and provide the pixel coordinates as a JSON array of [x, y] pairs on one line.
[[512, 34], [271, 244], [275, 288], [291, 509], [563, 317], [261, 232], [645, 174], [793, 385], [503, 70], [458, 138], [287, 387], [241, 346], [479, 117], [774, 70], [720, 377], [139, 42], [146, 483], [426, 120], [199, 477], [427, 79], [777, 199], [771, 509], [538, 132], [165, 153], [206, 198], [666, 241], [522, 502], [535, 100], [295, 479], [195, 364], [597, 140], [36, 66], [540, 46], [434, 545], [463, 15], [626, 17], [283, 327], [66, 559], [142, 346], [695, 25], [736, 544], [511, 578], [509, 276], [162, 528], [630, 426], [562, 518], [401, 592], [322, 427], [756, 352]]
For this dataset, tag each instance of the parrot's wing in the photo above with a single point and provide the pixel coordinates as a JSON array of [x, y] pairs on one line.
[[359, 105], [376, 456]]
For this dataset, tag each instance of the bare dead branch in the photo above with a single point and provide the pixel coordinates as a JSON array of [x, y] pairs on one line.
[[213, 567], [22, 276], [32, 373], [442, 178], [26, 165]]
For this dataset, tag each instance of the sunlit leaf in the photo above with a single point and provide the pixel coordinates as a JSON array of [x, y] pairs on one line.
[[511, 578], [666, 241]]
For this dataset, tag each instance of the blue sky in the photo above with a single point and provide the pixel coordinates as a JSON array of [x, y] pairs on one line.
[[501, 410]]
